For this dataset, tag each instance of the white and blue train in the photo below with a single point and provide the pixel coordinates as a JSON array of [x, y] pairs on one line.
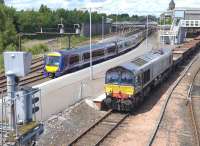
[[61, 62]]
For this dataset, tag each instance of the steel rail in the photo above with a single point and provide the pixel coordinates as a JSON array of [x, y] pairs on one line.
[[153, 135], [87, 130], [111, 130], [191, 107]]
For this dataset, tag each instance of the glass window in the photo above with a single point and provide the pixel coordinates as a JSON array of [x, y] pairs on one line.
[[111, 49], [192, 23], [126, 78], [196, 23], [97, 53], [86, 56], [74, 59], [187, 23], [53, 60], [113, 77]]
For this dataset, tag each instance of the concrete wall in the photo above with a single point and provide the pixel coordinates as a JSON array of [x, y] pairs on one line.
[[96, 29]]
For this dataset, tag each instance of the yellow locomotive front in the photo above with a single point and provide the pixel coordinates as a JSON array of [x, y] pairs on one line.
[[52, 64], [119, 89]]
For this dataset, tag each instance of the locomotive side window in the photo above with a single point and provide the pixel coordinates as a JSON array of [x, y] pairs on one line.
[[86, 56], [74, 59], [146, 76], [111, 49], [97, 53]]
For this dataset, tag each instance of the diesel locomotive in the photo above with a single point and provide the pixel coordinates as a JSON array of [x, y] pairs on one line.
[[126, 85], [60, 62]]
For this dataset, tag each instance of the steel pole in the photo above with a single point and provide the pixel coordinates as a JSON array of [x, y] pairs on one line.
[[147, 32], [116, 23], [91, 68], [11, 97], [102, 27]]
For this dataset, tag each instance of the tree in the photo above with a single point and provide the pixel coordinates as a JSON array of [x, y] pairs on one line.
[[2, 2], [7, 30]]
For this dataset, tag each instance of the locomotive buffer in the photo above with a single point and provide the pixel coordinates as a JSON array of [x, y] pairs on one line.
[[19, 106]]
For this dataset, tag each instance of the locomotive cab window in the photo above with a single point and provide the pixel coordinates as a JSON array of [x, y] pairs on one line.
[[126, 78], [113, 77], [74, 59], [52, 60]]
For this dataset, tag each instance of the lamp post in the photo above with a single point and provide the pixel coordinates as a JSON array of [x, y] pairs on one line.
[[102, 27], [91, 65], [147, 31]]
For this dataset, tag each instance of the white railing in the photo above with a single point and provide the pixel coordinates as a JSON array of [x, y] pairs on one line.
[[190, 23]]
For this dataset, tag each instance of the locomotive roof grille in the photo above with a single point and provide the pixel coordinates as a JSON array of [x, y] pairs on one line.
[[139, 61], [142, 60]]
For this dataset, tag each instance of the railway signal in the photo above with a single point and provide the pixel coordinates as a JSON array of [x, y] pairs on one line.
[[23, 129]]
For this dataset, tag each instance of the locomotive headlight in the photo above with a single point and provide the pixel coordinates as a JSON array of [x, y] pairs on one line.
[[108, 89]]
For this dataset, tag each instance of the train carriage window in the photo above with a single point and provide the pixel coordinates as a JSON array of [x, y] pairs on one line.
[[111, 49], [86, 56], [98, 53], [146, 76], [74, 59]]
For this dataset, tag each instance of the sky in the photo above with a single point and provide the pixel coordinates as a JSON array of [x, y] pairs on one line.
[[141, 7]]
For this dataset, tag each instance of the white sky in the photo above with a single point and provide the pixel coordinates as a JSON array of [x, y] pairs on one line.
[[141, 7]]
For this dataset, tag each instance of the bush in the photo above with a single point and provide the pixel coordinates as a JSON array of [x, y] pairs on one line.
[[37, 49], [1, 62], [11, 47]]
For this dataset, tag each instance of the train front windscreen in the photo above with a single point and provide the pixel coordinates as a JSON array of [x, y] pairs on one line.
[[116, 77], [52, 60]]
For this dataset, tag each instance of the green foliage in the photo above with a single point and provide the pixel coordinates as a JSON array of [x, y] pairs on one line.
[[1, 1], [1, 62], [167, 20], [37, 49], [126, 17], [7, 29]]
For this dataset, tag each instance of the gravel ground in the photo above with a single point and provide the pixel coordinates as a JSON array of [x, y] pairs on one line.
[[62, 128], [176, 127]]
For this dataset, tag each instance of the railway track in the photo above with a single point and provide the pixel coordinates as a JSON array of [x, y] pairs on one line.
[[173, 92], [194, 108], [34, 75], [96, 134]]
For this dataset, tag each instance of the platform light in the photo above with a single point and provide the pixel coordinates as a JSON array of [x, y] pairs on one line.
[[90, 12]]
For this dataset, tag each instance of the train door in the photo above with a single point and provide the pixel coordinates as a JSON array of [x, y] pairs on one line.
[[65, 62]]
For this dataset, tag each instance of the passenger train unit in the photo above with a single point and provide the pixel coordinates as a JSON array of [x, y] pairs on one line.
[[61, 62], [127, 84]]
